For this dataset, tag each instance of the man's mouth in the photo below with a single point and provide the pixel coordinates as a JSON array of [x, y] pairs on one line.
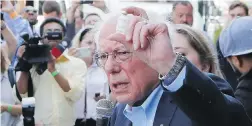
[[120, 86]]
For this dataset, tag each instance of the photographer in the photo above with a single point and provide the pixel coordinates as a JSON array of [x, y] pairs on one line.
[[59, 86]]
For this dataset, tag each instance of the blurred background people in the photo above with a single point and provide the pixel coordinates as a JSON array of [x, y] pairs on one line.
[[59, 85], [182, 13], [91, 19], [78, 19], [236, 9], [14, 21], [194, 45], [31, 14], [10, 110], [236, 47], [96, 82], [51, 9]]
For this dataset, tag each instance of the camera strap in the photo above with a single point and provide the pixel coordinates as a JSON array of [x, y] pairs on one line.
[[11, 70], [30, 89], [12, 78]]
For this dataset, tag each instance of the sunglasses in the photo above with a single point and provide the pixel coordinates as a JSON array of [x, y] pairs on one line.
[[30, 10]]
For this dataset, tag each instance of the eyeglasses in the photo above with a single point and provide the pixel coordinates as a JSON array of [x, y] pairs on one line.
[[119, 56]]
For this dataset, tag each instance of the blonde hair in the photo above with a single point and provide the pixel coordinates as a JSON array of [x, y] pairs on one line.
[[198, 41]]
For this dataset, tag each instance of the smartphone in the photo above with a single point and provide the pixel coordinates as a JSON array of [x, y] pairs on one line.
[[83, 52], [86, 2]]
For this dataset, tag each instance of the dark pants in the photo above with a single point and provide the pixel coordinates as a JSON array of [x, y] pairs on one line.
[[89, 122]]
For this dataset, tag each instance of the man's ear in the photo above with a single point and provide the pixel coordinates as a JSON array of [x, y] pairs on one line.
[[236, 61]]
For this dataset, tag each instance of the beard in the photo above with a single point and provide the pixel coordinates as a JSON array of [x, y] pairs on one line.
[[33, 22]]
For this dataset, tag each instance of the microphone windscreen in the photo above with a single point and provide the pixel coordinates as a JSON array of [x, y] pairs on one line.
[[104, 108]]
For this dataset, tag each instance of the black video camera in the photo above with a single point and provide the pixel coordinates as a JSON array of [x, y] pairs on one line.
[[39, 53], [36, 53]]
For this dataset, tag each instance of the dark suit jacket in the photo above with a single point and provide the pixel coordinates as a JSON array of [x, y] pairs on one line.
[[243, 92], [203, 100]]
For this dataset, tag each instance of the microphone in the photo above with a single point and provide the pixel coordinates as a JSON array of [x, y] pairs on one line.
[[104, 110], [28, 107]]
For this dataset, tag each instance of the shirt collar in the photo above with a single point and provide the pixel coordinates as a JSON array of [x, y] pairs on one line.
[[149, 106]]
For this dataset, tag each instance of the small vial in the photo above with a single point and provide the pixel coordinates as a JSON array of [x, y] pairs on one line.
[[122, 23]]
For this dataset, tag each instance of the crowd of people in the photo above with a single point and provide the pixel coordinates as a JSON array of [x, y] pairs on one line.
[[156, 72]]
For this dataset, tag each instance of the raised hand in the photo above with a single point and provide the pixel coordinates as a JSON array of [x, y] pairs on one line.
[[150, 42], [7, 6], [136, 12]]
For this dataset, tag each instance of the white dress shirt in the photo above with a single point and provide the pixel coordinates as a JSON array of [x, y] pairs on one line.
[[54, 107], [95, 82]]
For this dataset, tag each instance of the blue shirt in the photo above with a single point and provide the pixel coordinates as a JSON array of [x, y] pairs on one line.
[[18, 25], [144, 115]]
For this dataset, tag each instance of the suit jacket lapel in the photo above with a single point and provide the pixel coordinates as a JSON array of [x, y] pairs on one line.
[[165, 111]]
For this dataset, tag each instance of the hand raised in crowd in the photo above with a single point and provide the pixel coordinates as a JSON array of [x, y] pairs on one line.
[[150, 42], [136, 11], [7, 6], [99, 4], [71, 11]]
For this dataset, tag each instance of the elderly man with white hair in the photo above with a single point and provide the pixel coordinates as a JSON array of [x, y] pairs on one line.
[[155, 86]]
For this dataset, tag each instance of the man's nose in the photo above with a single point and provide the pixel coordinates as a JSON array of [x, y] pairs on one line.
[[183, 19], [30, 13], [111, 66]]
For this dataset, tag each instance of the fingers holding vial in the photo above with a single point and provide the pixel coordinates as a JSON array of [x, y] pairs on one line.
[[130, 26]]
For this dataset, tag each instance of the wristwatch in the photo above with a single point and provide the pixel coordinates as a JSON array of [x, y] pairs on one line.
[[174, 72]]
